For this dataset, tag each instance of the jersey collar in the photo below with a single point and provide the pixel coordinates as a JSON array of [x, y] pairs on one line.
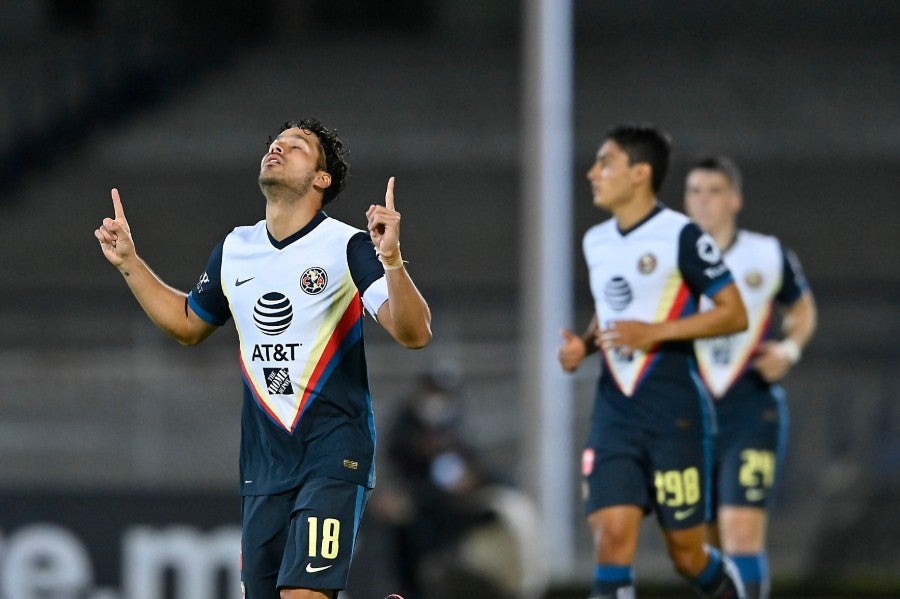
[[657, 208], [307, 228]]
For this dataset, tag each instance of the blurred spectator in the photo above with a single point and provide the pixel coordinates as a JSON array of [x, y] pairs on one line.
[[455, 529], [429, 500]]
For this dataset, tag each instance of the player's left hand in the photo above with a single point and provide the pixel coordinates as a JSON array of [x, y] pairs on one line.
[[627, 336], [384, 226], [771, 362]]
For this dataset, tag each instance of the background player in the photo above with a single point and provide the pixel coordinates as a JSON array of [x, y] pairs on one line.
[[651, 428], [742, 369], [296, 285]]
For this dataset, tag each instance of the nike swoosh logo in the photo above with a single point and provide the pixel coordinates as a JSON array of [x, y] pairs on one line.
[[313, 569], [238, 282], [682, 514], [755, 494]]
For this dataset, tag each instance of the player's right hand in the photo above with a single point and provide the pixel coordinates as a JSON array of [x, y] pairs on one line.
[[572, 351], [114, 234]]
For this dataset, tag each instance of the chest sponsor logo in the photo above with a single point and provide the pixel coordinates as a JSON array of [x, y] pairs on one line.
[[720, 350], [278, 381], [617, 293], [277, 352], [646, 264], [273, 313], [314, 280]]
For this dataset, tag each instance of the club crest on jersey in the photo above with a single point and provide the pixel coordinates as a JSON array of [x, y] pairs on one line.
[[753, 279], [646, 264], [617, 293], [273, 313], [708, 250], [313, 280]]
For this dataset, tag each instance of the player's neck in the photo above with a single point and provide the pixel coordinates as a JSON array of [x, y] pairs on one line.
[[725, 236], [284, 217], [634, 211]]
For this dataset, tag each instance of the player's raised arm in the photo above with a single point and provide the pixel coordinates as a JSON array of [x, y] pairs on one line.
[[405, 315], [114, 234], [166, 306]]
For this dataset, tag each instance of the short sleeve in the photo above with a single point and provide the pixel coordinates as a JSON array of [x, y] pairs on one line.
[[206, 298], [793, 281], [700, 262], [367, 272]]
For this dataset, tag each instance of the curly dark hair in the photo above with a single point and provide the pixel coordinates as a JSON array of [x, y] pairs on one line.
[[332, 150]]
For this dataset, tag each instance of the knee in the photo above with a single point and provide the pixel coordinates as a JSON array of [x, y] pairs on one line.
[[615, 544], [688, 561]]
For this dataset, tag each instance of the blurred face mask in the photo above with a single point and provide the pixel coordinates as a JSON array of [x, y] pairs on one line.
[[437, 409]]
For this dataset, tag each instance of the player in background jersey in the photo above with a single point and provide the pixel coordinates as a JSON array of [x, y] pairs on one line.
[[742, 370], [650, 442], [297, 285]]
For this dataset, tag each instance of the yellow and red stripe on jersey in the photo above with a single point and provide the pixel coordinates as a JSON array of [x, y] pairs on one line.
[[674, 301], [341, 328]]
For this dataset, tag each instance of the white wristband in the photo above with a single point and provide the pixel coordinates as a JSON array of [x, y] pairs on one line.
[[396, 266], [790, 350]]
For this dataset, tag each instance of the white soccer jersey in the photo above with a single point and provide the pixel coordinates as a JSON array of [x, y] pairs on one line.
[[651, 273], [292, 316], [297, 306], [763, 275]]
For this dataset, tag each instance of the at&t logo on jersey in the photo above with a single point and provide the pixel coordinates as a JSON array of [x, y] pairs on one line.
[[617, 293], [313, 280], [273, 313]]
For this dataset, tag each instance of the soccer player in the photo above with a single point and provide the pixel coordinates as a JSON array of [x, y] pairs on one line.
[[650, 442], [742, 370], [297, 285]]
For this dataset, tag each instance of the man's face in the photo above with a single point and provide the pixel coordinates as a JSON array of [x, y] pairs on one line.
[[710, 199], [612, 177], [294, 160]]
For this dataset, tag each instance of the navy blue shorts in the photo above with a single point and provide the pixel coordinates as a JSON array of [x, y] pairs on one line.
[[657, 459], [301, 539], [750, 447]]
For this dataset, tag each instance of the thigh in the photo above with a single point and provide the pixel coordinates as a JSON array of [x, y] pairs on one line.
[[682, 478], [322, 534], [264, 521], [749, 449], [615, 469]]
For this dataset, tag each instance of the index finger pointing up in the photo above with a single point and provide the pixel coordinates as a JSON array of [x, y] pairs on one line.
[[117, 205], [389, 195]]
